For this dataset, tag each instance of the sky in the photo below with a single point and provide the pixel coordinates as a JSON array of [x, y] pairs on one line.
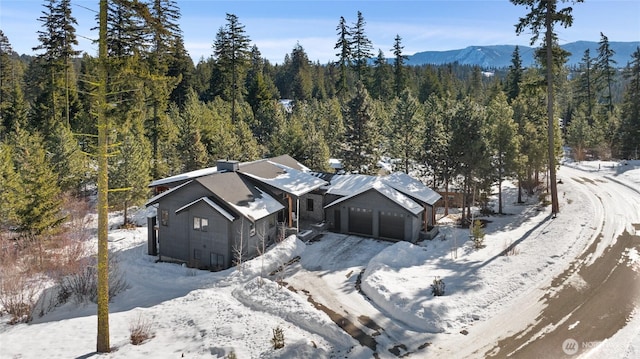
[[276, 26]]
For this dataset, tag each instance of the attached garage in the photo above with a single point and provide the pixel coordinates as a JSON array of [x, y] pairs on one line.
[[392, 225], [377, 211], [361, 221]]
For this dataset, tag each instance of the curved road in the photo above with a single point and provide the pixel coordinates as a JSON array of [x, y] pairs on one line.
[[597, 294]]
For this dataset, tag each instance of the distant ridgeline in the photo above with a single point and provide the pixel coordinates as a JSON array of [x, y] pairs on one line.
[[498, 56]]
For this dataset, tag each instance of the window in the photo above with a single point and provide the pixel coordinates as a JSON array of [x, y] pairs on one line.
[[309, 204], [252, 229], [200, 224], [217, 261], [197, 254], [164, 217]]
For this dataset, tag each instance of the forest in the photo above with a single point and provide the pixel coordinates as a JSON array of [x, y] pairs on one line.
[[451, 125]]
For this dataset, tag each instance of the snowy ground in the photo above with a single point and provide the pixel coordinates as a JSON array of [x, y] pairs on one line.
[[378, 291]]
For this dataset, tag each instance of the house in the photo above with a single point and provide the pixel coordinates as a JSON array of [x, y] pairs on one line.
[[209, 217]]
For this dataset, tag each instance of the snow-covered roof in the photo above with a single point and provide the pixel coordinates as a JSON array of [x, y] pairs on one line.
[[396, 196], [211, 204], [259, 208], [240, 194], [282, 177], [346, 185], [184, 176], [411, 187]]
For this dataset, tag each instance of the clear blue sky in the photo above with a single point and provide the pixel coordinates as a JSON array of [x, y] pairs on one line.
[[276, 26]]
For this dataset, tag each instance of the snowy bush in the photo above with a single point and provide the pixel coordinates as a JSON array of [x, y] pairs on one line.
[[18, 296], [140, 330], [437, 287], [83, 284], [278, 338]]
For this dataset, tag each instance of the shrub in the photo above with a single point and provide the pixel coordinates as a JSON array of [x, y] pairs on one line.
[[477, 234], [437, 287], [83, 284], [278, 338], [18, 296], [140, 330], [231, 355]]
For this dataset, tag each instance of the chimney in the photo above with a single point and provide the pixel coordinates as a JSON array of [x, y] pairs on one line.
[[227, 165]]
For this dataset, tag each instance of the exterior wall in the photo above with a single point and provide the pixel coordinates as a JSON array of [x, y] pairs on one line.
[[172, 238], [317, 214], [376, 202], [209, 244]]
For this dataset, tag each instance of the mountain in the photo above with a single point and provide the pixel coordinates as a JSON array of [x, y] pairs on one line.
[[496, 56]]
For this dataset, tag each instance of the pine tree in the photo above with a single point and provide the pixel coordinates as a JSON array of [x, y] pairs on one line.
[[344, 55], [231, 50], [398, 66], [39, 212], [11, 192], [192, 151], [67, 160], [629, 131], [606, 71], [57, 103], [503, 141], [360, 48], [129, 169], [542, 16], [360, 152], [381, 87], [406, 130], [301, 87], [514, 76], [585, 86]]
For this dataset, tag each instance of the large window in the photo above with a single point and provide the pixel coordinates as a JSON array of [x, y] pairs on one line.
[[164, 217], [200, 224]]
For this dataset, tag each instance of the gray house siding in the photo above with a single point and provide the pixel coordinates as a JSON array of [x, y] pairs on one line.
[[368, 212], [206, 245], [173, 232]]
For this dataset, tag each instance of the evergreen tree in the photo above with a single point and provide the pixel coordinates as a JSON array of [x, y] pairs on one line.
[[129, 169], [542, 16], [503, 141], [406, 130], [39, 212], [67, 160], [398, 66], [192, 151], [381, 87], [580, 135], [10, 74], [514, 76], [606, 71], [629, 132], [11, 193], [127, 33], [56, 102], [231, 50], [301, 86], [584, 92], [360, 48], [360, 152], [344, 55], [469, 145]]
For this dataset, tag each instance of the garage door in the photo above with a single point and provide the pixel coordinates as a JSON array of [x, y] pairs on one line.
[[391, 225], [360, 221]]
